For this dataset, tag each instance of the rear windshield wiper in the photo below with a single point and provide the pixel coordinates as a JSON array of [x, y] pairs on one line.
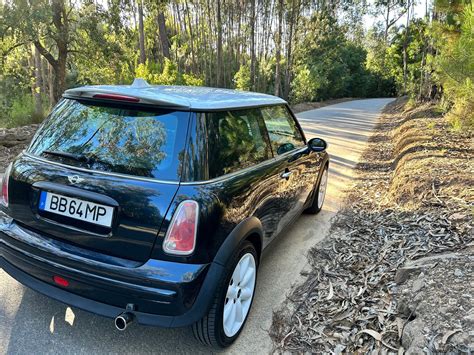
[[78, 157]]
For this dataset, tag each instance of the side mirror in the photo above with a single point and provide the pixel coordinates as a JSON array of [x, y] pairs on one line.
[[317, 144]]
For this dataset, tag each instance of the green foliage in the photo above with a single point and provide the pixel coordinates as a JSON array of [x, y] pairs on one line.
[[192, 80], [331, 66], [21, 112], [455, 68], [242, 78], [331, 56], [384, 63], [169, 75], [305, 85], [461, 114], [390, 64]]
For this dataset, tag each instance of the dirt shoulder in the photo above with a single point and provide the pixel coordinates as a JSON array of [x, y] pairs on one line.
[[397, 272]]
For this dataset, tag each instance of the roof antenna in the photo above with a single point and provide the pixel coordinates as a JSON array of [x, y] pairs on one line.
[[140, 83]]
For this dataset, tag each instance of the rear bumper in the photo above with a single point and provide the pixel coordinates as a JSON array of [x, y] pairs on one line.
[[164, 294]]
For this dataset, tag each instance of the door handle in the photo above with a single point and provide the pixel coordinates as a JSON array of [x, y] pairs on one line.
[[286, 174]]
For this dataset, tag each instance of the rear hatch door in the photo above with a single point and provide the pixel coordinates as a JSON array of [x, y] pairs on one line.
[[101, 175]]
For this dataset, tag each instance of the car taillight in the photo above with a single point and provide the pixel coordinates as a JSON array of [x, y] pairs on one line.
[[181, 236], [6, 176]]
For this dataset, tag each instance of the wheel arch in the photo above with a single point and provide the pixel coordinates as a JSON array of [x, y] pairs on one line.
[[249, 229], [257, 242]]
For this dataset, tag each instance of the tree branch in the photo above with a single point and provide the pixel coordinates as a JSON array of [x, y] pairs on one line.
[[44, 52], [16, 45], [396, 18]]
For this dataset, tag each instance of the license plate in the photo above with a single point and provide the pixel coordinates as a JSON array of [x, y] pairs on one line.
[[75, 208]]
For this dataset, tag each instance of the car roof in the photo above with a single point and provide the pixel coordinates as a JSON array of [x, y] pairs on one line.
[[180, 97]]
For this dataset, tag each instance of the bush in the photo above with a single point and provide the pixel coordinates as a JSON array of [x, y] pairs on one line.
[[305, 85], [20, 113], [192, 80], [242, 78], [168, 76], [455, 69], [461, 114]]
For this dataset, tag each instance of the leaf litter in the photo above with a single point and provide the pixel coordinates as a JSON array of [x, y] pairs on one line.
[[349, 301]]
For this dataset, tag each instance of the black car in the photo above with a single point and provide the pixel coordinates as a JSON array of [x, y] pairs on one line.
[[153, 203]]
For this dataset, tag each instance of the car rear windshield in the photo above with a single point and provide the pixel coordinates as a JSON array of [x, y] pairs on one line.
[[121, 139]]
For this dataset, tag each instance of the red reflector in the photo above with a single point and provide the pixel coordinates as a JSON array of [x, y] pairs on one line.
[[116, 97], [60, 281]]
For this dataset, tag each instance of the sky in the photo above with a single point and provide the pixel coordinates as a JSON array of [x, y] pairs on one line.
[[420, 9]]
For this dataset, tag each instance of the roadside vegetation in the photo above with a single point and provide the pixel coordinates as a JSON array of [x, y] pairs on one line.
[[395, 275], [301, 50]]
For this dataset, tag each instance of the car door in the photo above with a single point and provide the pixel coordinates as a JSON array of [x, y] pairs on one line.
[[298, 165], [231, 162]]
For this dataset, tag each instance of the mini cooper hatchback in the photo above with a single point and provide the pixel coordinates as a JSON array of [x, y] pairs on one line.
[[154, 203]]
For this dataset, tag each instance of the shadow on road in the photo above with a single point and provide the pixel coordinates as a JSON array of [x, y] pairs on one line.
[[44, 325]]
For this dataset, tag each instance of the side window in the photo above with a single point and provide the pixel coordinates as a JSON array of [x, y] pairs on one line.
[[282, 130], [236, 140]]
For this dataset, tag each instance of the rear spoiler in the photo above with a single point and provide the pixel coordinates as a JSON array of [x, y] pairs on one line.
[[139, 92]]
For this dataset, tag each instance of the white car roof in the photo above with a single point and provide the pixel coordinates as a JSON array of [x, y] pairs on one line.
[[180, 97]]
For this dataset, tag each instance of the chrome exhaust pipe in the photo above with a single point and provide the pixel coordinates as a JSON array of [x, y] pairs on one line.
[[123, 320]]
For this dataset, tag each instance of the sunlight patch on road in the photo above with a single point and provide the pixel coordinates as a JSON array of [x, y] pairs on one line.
[[69, 316], [51, 325]]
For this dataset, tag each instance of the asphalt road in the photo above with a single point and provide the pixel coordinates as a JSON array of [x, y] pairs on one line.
[[34, 324]]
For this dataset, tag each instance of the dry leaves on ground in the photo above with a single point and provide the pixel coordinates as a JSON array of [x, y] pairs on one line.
[[348, 302]]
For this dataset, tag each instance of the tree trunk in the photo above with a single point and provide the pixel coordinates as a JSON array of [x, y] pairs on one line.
[[210, 39], [32, 70], [219, 45], [294, 19], [387, 22], [141, 32], [191, 38], [422, 72], [286, 89], [253, 58], [38, 84], [52, 100], [238, 57], [44, 76], [60, 73], [165, 43], [61, 22], [405, 50], [278, 49]]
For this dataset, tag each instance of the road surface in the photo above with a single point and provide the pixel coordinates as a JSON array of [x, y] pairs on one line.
[[32, 323]]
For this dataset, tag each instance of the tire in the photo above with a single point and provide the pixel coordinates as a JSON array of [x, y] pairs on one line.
[[318, 198], [211, 330]]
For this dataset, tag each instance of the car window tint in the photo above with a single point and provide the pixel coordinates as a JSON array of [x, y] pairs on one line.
[[236, 140], [128, 140], [282, 130]]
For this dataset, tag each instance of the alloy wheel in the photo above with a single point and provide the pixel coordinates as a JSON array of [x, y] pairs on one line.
[[239, 294], [322, 188]]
